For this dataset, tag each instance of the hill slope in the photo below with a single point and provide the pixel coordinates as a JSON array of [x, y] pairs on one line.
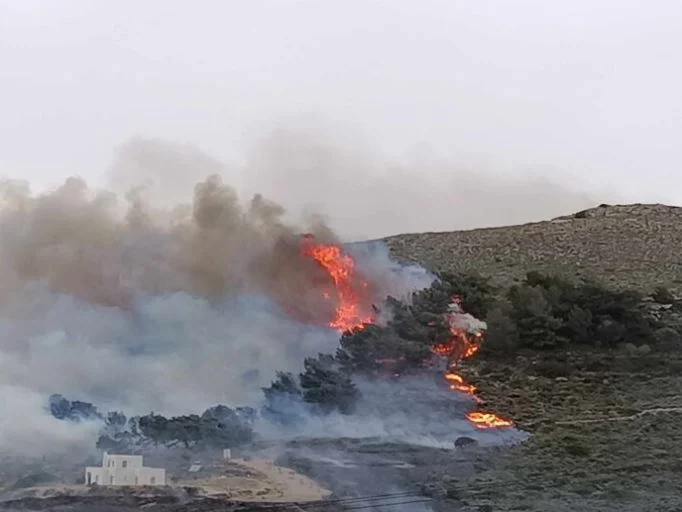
[[607, 429], [634, 245]]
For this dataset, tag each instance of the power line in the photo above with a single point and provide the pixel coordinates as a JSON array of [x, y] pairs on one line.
[[389, 504], [355, 501]]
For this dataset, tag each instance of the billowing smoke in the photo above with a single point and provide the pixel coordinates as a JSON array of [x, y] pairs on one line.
[[319, 170], [368, 194], [143, 306]]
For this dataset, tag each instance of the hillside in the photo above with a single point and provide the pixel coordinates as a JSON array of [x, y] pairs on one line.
[[605, 422], [634, 245]]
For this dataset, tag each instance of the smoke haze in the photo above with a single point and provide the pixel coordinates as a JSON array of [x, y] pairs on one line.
[[167, 276], [143, 307], [318, 172]]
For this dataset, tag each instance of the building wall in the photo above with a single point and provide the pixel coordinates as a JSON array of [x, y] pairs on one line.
[[121, 461], [135, 476], [95, 475], [152, 476], [124, 470]]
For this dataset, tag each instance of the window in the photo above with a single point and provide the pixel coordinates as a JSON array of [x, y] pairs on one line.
[[111, 479], [152, 480], [124, 464]]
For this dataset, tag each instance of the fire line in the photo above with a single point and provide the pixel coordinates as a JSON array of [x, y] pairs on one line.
[[351, 314], [464, 342]]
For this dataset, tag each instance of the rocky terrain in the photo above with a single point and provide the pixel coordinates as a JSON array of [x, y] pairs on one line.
[[624, 246], [606, 424]]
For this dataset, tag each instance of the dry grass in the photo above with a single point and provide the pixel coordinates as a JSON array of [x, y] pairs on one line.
[[260, 480]]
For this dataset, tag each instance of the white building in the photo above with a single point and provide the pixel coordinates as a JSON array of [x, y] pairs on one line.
[[124, 470]]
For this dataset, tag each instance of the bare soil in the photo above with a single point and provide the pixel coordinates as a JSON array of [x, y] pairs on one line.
[[259, 480]]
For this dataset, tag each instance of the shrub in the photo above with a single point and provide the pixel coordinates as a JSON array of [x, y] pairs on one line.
[[550, 311], [502, 335]]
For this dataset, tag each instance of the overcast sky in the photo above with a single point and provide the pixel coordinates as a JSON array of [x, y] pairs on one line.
[[586, 92]]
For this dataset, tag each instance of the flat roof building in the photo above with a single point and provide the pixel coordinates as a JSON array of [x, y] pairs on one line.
[[124, 470]]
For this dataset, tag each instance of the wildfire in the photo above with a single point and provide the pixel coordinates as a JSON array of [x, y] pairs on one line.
[[351, 312], [457, 384], [350, 309], [485, 420], [465, 340]]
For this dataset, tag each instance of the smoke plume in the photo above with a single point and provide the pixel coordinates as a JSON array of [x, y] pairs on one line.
[[319, 171], [141, 306], [314, 167], [168, 292]]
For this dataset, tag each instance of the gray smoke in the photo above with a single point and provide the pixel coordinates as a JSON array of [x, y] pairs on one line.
[[313, 167], [169, 293], [323, 173], [142, 306]]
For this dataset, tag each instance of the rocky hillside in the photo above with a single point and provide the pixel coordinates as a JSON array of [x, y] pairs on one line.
[[636, 245]]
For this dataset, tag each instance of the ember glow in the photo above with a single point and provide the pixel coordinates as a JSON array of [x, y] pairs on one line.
[[352, 310], [465, 341]]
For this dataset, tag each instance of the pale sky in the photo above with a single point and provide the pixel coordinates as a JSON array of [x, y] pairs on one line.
[[586, 92]]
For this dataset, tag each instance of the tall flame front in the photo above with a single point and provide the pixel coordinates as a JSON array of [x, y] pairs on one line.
[[351, 313]]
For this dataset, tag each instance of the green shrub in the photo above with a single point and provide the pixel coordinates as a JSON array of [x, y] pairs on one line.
[[550, 311], [502, 335]]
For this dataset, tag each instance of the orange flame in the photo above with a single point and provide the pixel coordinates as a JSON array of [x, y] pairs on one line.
[[485, 420], [457, 384], [340, 267]]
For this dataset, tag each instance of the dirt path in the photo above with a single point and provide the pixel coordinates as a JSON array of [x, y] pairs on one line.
[[260, 480]]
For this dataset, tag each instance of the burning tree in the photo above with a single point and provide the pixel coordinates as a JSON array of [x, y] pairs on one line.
[[349, 293], [432, 324]]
